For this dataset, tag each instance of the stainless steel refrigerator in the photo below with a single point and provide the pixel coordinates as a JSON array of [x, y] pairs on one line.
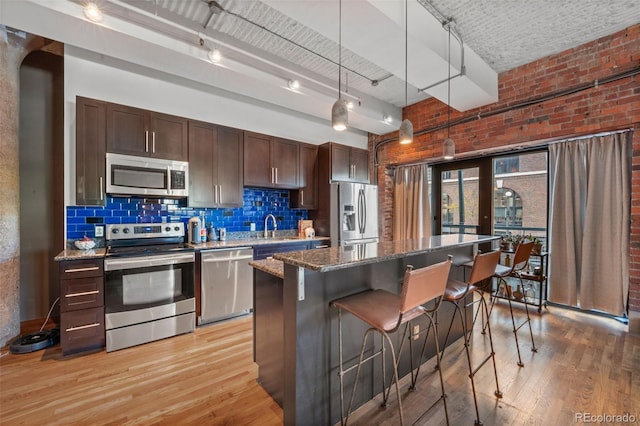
[[353, 213]]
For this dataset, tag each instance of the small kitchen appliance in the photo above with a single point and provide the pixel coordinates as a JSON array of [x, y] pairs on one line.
[[132, 175], [194, 230]]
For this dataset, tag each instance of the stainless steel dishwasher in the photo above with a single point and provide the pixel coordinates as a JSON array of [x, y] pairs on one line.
[[226, 284]]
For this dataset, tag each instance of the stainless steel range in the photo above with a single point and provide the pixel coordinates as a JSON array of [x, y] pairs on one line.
[[149, 284]]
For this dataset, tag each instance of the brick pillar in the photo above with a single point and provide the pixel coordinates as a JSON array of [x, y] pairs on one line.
[[14, 46]]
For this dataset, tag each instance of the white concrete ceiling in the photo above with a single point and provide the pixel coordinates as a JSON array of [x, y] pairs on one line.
[[265, 43]]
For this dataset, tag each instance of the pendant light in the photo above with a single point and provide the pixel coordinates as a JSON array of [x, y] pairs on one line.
[[339, 111], [449, 147], [405, 134]]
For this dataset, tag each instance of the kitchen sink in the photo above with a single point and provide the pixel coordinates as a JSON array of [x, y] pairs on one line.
[[279, 238]]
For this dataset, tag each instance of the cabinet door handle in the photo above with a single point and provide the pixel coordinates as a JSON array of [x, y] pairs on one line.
[[322, 246], [83, 293], [302, 197], [272, 180], [82, 327], [276, 174], [153, 142], [146, 141], [219, 193], [89, 268], [101, 190]]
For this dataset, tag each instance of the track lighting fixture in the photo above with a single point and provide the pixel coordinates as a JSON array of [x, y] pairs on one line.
[[293, 84], [92, 12], [214, 55]]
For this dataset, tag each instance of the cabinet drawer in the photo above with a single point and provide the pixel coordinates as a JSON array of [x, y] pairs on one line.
[[81, 293], [81, 268], [82, 330]]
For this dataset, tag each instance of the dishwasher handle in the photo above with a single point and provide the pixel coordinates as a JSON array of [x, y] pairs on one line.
[[225, 255], [213, 259]]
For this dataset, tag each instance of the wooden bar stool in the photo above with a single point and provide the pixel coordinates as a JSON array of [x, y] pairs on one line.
[[520, 263], [483, 268], [385, 312]]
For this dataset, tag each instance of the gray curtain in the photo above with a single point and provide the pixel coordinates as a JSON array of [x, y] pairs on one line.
[[590, 222], [411, 212]]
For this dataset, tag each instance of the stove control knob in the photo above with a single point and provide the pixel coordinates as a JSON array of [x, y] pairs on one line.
[[115, 230], [167, 229], [126, 230], [177, 228]]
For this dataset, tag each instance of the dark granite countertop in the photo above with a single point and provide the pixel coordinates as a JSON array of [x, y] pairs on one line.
[[270, 266], [72, 254], [334, 258], [251, 242]]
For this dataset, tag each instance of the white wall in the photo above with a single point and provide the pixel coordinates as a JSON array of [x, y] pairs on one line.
[[96, 76]]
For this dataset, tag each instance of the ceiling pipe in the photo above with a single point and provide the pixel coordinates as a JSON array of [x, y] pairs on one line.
[[450, 24], [373, 82], [533, 101]]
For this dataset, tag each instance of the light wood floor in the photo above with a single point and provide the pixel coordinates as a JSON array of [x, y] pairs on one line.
[[584, 364]]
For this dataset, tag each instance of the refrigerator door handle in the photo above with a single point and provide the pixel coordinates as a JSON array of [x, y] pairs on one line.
[[362, 211]]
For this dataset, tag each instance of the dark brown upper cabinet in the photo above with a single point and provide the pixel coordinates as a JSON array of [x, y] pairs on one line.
[[345, 163], [307, 196], [135, 131], [270, 162], [91, 118], [215, 165]]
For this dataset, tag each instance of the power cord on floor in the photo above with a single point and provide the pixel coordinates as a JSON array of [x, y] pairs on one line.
[[49, 314]]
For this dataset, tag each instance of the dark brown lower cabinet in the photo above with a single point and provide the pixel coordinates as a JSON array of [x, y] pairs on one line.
[[82, 325]]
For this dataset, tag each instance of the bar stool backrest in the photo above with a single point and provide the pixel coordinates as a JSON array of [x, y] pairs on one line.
[[523, 251], [484, 266], [424, 284]]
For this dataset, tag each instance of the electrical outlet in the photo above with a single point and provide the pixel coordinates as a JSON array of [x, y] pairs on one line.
[[99, 230], [416, 331]]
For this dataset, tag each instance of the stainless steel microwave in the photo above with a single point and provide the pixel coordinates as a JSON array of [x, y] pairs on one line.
[[131, 175]]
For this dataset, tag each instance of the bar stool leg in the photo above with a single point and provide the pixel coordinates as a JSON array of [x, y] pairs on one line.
[[516, 328], [472, 371], [526, 308], [443, 395], [386, 338], [498, 392]]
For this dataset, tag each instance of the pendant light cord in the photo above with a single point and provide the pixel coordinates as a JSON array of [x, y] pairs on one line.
[[406, 49], [449, 81], [339, 49]]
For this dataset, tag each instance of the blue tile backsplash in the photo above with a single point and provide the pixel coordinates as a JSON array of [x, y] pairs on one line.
[[258, 202]]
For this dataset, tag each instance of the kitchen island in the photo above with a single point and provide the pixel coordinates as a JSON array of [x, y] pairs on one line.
[[298, 311]]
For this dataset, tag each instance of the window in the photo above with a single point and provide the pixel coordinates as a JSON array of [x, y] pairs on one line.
[[507, 165], [507, 209], [520, 196]]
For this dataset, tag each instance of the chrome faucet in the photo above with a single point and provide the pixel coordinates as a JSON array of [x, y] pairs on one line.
[[275, 226]]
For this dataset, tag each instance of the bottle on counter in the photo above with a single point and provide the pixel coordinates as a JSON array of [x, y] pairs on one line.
[[203, 231], [507, 260]]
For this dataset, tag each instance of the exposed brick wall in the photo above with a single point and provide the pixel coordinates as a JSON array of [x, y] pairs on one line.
[[601, 107]]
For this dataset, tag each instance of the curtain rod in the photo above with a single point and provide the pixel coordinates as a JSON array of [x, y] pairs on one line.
[[577, 138], [524, 147]]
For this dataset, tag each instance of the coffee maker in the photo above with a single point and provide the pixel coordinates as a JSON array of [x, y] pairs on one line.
[[193, 230]]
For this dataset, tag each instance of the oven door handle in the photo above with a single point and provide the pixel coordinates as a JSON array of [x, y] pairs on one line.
[[147, 261]]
